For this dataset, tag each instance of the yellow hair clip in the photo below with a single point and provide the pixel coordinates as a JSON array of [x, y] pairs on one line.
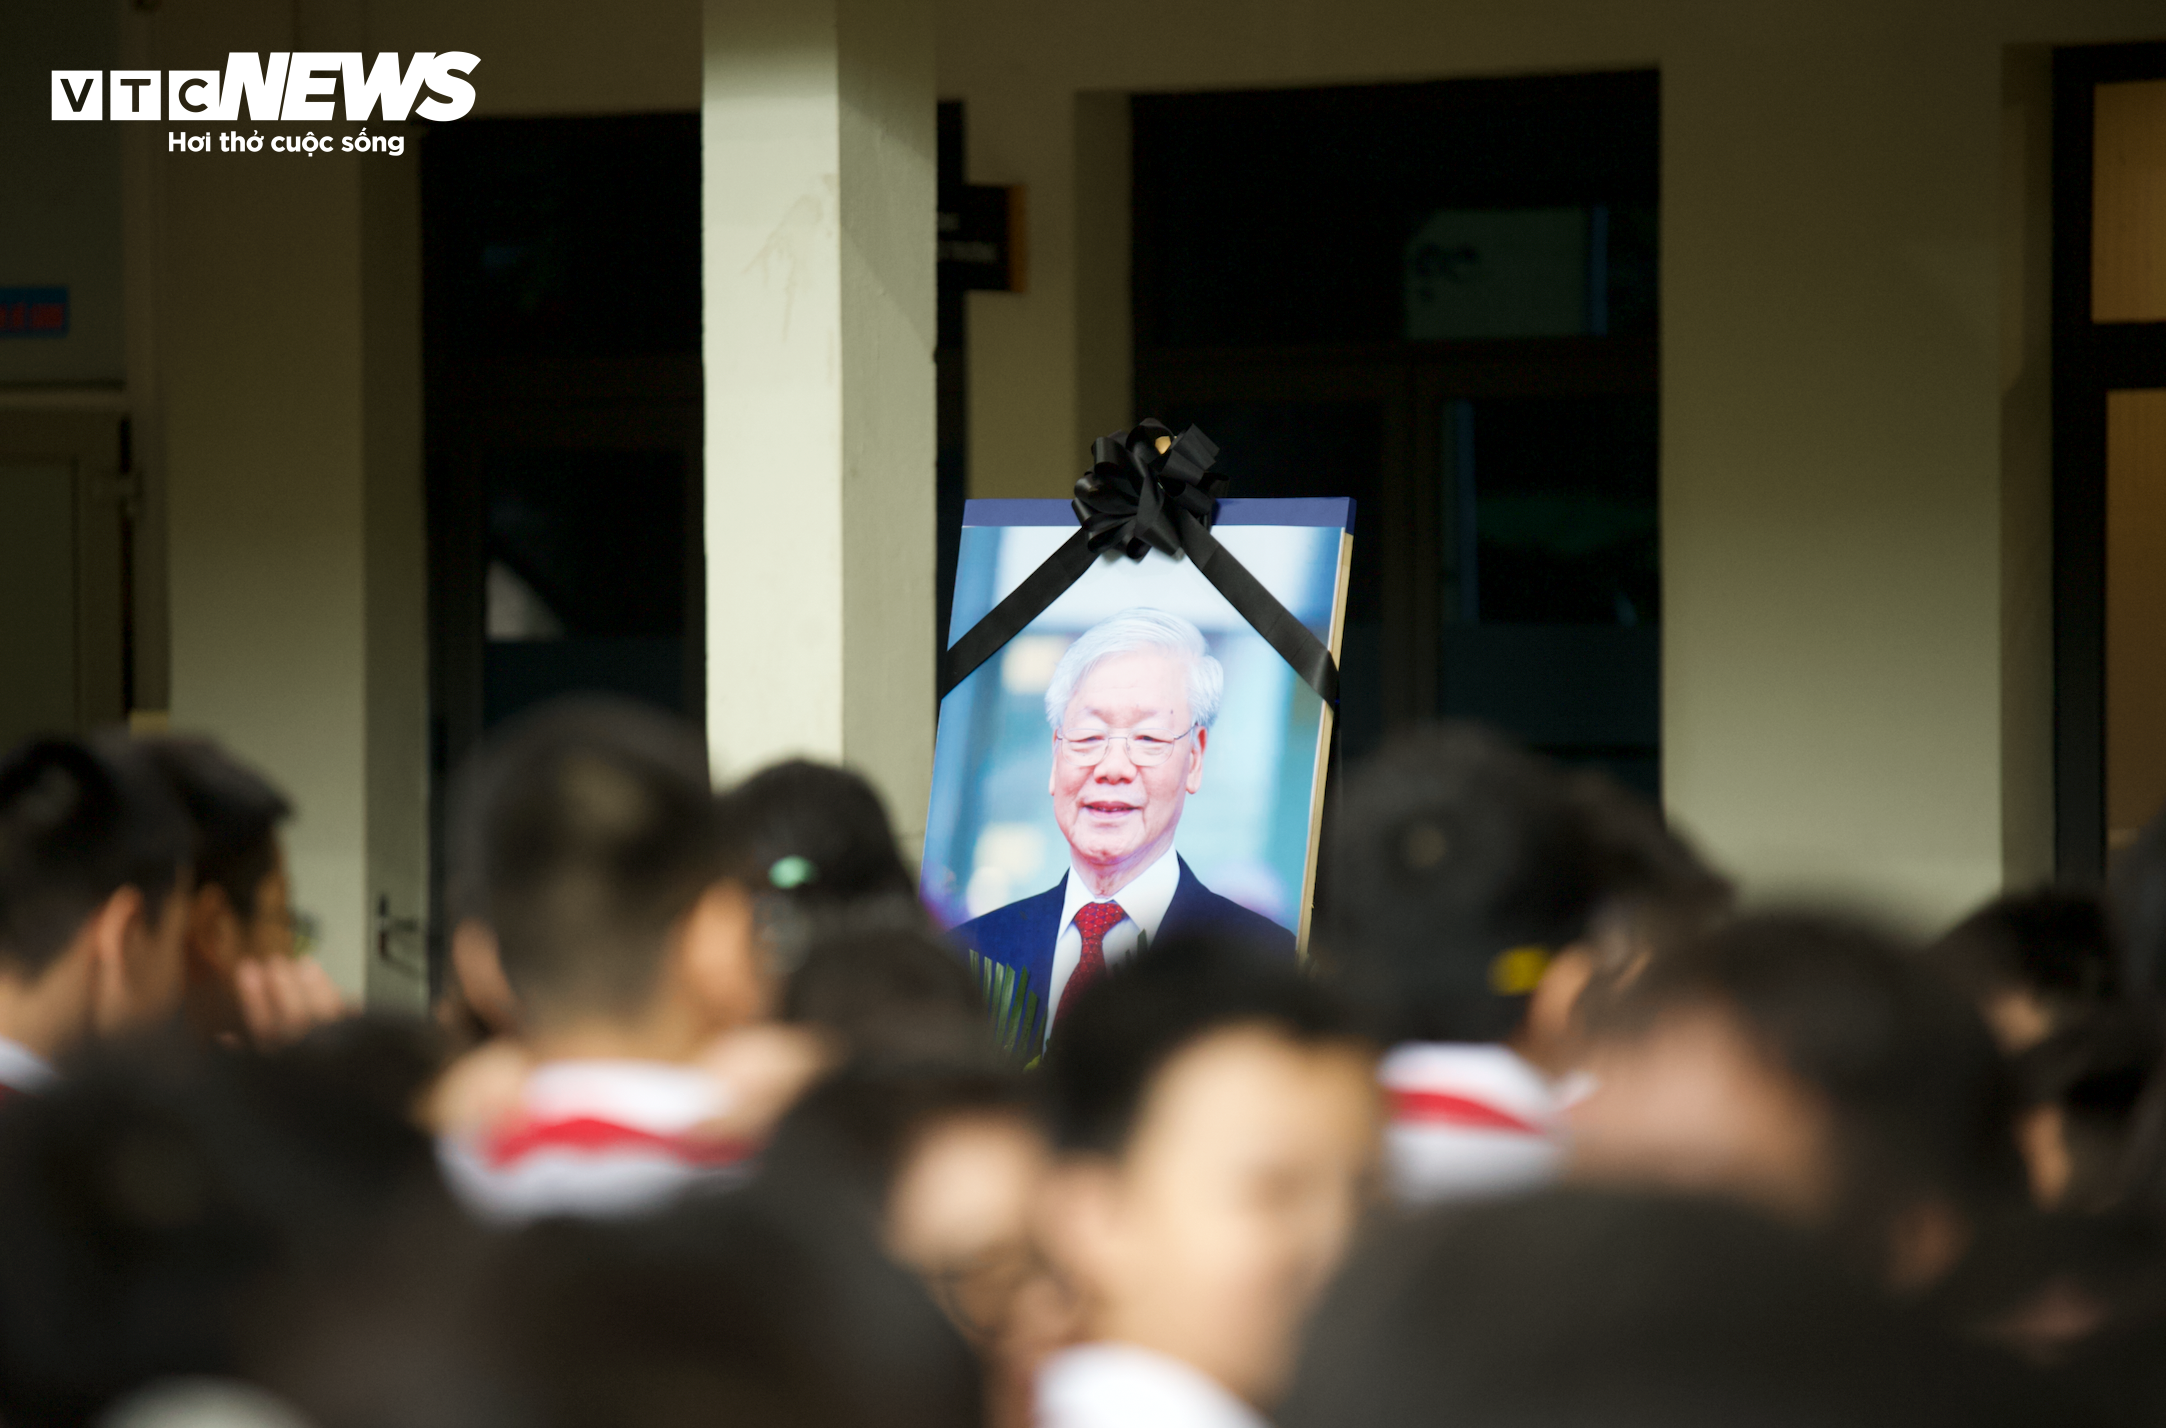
[[1516, 972]]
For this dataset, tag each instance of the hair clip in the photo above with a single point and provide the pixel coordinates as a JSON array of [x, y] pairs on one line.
[[792, 872], [1518, 971]]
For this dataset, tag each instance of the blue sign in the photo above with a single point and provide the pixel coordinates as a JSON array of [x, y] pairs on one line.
[[33, 312]]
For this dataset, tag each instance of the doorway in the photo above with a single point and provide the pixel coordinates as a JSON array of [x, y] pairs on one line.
[[2109, 450], [561, 305], [68, 512], [1438, 299]]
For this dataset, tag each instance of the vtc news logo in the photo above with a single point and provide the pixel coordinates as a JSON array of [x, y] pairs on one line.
[[288, 86]]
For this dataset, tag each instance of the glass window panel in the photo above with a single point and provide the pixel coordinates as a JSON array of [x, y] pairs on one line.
[[2135, 610], [1553, 515], [2128, 197]]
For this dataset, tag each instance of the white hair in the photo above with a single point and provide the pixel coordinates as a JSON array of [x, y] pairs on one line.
[[1140, 628]]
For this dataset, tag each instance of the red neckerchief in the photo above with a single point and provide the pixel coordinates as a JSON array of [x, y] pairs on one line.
[[520, 1137], [1442, 1108]]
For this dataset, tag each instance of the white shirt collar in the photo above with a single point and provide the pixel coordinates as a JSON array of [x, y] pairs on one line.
[[23, 1069], [655, 1096], [1488, 1072], [1122, 1386], [1145, 897], [658, 1098]]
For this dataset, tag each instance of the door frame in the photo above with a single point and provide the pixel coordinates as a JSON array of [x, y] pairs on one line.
[[94, 445], [2089, 360]]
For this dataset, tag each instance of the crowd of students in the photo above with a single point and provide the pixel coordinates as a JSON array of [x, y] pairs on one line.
[[709, 1126]]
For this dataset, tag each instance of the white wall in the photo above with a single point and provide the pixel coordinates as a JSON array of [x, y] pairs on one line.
[[62, 192]]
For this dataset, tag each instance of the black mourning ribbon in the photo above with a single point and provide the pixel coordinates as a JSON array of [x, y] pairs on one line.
[[1135, 499]]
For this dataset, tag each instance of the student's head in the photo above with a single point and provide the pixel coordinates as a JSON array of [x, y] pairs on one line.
[[946, 1161], [156, 1201], [943, 1158], [1130, 704], [2086, 1092], [593, 841], [888, 991], [1215, 1125], [1817, 1069], [241, 907], [1656, 889], [1629, 1311], [93, 891], [2033, 962], [1460, 866], [737, 1310], [814, 844], [1655, 892]]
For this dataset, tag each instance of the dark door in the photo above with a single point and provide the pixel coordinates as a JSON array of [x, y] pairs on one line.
[[562, 310], [1437, 299]]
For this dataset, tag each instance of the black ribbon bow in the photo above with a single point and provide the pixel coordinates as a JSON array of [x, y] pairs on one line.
[[1141, 481], [1147, 490]]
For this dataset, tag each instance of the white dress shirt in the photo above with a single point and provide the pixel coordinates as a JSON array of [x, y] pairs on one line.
[[1122, 1386], [1469, 1119], [22, 1069], [594, 1138], [1144, 898]]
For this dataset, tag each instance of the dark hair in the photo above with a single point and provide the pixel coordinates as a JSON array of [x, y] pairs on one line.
[[585, 830], [889, 991], [236, 813], [849, 1137], [2096, 1071], [152, 1200], [735, 1309], [2108, 1075], [1124, 1029], [1451, 849], [801, 1321], [2136, 891], [80, 820], [1651, 879], [1628, 1310], [387, 1060], [2104, 1359], [829, 818], [1921, 1099], [2050, 942], [813, 843]]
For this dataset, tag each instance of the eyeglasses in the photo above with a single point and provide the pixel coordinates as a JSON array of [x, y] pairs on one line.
[[1144, 750]]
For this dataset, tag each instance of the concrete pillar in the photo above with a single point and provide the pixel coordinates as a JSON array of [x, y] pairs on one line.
[[1832, 549], [818, 178]]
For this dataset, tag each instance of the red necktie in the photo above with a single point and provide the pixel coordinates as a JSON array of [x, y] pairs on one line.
[[1094, 920]]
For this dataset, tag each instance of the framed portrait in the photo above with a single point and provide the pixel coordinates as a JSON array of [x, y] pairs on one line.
[[1137, 760]]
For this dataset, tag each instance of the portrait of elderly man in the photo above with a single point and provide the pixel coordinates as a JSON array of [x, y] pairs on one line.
[[1131, 705]]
